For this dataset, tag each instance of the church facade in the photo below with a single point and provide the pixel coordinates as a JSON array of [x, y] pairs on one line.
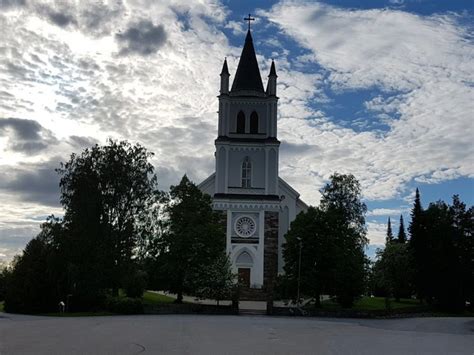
[[257, 205]]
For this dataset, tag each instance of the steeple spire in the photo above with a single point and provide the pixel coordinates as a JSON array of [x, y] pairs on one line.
[[248, 77], [225, 69], [272, 81], [225, 78]]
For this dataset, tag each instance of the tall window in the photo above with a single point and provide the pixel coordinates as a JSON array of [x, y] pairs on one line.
[[246, 173], [254, 122], [241, 122]]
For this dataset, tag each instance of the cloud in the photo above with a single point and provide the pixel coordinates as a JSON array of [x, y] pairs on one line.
[[387, 212], [37, 183], [143, 38], [7, 4], [61, 19], [26, 136], [426, 95], [376, 233]]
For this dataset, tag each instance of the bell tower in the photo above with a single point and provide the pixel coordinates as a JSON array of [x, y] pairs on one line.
[[247, 129], [257, 206], [246, 179]]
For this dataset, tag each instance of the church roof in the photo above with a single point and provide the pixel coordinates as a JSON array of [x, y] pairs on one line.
[[248, 76]]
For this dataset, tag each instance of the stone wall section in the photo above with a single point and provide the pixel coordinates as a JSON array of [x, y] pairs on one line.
[[270, 253]]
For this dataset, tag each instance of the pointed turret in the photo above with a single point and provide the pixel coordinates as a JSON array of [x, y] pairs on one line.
[[272, 81], [247, 77], [225, 78]]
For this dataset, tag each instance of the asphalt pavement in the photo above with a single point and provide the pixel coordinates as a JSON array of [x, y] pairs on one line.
[[200, 334]]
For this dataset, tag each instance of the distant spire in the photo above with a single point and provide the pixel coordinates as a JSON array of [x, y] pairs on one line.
[[225, 69], [248, 76], [273, 70]]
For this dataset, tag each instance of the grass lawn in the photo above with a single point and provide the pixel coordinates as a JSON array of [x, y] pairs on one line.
[[373, 304], [149, 298], [152, 298]]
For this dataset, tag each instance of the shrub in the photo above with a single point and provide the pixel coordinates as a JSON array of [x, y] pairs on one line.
[[124, 305], [135, 284]]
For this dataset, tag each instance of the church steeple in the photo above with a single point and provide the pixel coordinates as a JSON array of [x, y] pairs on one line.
[[225, 78], [247, 77], [272, 81]]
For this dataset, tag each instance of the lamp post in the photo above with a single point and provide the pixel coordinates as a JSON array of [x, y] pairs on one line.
[[299, 272]]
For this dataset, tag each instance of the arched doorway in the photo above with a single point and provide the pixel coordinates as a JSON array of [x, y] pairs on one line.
[[244, 263]]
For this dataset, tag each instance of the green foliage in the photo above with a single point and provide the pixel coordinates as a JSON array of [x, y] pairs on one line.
[[331, 239], [4, 279], [191, 239], [215, 281], [418, 246], [392, 270], [135, 283], [124, 305], [389, 237], [37, 282], [442, 248], [401, 237], [105, 190]]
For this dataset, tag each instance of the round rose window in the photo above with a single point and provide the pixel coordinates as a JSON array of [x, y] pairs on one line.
[[245, 226]]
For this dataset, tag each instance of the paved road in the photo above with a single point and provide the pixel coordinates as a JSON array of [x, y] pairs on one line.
[[192, 334]]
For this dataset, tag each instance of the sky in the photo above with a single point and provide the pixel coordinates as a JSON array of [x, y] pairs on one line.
[[380, 89]]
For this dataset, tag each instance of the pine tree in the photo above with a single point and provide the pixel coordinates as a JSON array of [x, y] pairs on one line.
[[402, 237], [418, 247], [389, 237]]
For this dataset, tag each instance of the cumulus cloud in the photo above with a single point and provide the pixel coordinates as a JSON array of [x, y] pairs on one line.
[[26, 136], [386, 212], [65, 75], [142, 38], [427, 96], [37, 183]]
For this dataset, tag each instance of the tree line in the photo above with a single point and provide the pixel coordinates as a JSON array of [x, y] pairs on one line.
[[437, 263], [121, 234]]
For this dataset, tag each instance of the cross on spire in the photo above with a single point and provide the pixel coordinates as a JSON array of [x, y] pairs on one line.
[[248, 19]]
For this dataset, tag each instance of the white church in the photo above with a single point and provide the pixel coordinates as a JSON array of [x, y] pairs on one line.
[[257, 205]]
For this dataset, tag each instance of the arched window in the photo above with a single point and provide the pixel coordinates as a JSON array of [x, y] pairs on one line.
[[246, 173], [241, 122], [254, 123]]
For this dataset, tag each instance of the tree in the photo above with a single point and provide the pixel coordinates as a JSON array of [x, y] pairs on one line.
[[463, 224], [192, 238], [345, 214], [309, 233], [418, 246], [37, 282], [215, 281], [4, 280], [332, 240], [104, 191], [402, 237], [392, 267], [389, 237]]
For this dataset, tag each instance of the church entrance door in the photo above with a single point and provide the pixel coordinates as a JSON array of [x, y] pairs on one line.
[[244, 276]]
